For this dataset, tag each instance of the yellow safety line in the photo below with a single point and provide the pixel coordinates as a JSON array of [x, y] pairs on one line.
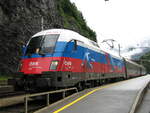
[[75, 101]]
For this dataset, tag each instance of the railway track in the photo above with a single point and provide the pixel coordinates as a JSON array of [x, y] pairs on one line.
[[6, 89], [11, 94], [19, 107], [3, 82], [14, 102]]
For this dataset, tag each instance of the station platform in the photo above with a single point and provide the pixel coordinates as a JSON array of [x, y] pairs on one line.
[[113, 98], [145, 105]]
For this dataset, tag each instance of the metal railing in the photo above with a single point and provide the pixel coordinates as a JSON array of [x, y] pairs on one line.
[[47, 96]]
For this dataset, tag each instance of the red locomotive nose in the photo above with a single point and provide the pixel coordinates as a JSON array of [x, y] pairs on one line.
[[35, 65]]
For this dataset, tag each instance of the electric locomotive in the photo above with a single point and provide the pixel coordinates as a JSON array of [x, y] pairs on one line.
[[59, 58]]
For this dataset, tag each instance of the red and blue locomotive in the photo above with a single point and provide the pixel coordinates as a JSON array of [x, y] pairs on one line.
[[59, 58]]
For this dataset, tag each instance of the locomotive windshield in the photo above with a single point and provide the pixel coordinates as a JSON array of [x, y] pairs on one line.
[[42, 44]]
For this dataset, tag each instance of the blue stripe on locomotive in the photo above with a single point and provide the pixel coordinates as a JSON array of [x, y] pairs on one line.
[[79, 54]]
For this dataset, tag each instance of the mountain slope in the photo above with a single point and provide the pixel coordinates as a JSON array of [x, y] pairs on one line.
[[145, 61]]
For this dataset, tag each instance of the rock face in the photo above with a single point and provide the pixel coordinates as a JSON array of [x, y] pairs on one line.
[[20, 19]]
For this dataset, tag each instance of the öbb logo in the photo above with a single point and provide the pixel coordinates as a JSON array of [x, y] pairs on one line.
[[33, 63], [67, 63]]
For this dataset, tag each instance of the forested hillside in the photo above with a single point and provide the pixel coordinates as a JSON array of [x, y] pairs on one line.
[[145, 61]]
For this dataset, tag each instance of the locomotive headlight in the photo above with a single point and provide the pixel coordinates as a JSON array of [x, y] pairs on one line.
[[54, 65]]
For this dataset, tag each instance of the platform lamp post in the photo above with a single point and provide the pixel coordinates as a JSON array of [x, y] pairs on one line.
[[112, 44]]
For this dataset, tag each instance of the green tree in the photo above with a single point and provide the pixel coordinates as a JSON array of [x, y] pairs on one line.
[[73, 19], [145, 61]]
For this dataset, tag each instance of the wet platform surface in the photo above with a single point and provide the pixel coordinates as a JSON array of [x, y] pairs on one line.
[[113, 98], [145, 105]]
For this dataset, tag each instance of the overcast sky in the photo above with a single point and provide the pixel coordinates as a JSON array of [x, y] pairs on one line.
[[127, 21]]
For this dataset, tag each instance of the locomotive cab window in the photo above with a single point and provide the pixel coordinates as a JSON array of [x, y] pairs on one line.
[[48, 43], [42, 44]]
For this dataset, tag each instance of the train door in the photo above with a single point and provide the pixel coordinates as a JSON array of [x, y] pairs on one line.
[[67, 63], [73, 62], [75, 53]]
